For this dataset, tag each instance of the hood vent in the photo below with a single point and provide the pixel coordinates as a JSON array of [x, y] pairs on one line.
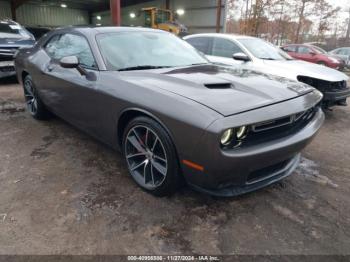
[[219, 86]]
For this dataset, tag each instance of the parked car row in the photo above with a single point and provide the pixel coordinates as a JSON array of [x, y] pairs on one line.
[[314, 54], [12, 37], [343, 53], [256, 54]]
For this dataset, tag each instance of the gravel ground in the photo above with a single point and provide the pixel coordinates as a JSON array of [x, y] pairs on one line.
[[62, 192]]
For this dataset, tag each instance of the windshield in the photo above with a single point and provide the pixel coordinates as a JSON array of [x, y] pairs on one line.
[[162, 16], [146, 49], [319, 50], [13, 31], [264, 50]]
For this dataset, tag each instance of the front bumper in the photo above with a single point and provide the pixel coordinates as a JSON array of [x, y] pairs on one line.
[[242, 170], [337, 66], [287, 168], [7, 68], [334, 96]]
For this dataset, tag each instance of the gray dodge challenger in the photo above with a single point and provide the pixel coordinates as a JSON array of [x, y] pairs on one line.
[[174, 116]]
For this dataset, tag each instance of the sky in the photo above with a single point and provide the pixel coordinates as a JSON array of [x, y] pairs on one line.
[[344, 4]]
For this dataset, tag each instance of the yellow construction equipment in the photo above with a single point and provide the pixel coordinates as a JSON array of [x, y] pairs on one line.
[[162, 19]]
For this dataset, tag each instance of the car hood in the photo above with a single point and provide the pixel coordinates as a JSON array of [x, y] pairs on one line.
[[294, 68], [227, 91], [15, 42]]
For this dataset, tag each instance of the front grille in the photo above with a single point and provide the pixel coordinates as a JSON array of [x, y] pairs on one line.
[[7, 69], [323, 85], [288, 120], [278, 128], [7, 53], [341, 85]]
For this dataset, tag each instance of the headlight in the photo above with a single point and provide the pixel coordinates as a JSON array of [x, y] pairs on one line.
[[227, 137], [241, 131], [334, 60]]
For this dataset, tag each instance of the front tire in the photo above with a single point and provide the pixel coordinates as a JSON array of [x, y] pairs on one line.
[[321, 63], [151, 157], [33, 102]]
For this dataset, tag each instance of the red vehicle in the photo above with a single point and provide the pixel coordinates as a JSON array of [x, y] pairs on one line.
[[313, 54]]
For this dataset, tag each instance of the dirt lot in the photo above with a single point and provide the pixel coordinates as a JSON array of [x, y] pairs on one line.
[[61, 192]]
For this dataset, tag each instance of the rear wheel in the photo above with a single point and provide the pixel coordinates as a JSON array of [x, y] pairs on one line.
[[34, 105], [321, 63], [151, 157]]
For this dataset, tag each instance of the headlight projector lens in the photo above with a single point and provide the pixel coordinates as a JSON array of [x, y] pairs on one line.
[[241, 132], [226, 137]]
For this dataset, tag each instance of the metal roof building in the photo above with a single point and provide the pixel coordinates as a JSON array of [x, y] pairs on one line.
[[197, 15]]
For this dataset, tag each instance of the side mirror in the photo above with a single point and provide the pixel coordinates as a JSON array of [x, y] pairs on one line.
[[241, 57], [312, 53], [69, 62]]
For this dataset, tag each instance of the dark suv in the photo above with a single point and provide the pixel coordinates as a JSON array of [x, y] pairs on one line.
[[12, 37]]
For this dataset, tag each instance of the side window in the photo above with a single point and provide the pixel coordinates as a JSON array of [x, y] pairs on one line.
[[304, 50], [290, 48], [52, 46], [200, 43], [344, 51], [71, 45], [225, 48]]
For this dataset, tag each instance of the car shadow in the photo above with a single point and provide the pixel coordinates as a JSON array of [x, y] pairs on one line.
[[8, 80]]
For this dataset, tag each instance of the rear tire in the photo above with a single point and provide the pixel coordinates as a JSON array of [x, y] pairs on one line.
[[321, 63], [151, 157], [33, 102]]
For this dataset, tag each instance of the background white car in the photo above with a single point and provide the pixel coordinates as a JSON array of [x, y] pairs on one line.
[[256, 54], [343, 53]]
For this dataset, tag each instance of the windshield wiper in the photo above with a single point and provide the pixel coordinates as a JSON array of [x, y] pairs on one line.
[[142, 67], [267, 58], [196, 64]]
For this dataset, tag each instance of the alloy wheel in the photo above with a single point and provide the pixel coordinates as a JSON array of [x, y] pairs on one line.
[[30, 97], [146, 157]]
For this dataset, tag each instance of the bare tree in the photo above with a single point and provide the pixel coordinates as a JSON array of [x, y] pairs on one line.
[[303, 11], [325, 13], [347, 37]]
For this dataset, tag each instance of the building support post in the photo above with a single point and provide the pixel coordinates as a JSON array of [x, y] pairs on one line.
[[167, 4], [13, 11], [14, 5], [115, 12], [218, 16]]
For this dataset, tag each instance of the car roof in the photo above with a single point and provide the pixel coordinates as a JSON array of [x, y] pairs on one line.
[[8, 22], [106, 29], [227, 36]]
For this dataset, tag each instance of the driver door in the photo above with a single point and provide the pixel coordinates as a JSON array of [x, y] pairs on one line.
[[71, 93], [222, 51], [304, 53]]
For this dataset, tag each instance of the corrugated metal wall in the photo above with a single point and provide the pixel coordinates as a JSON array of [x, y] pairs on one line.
[[29, 14], [41, 15], [200, 15], [5, 9], [125, 14]]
